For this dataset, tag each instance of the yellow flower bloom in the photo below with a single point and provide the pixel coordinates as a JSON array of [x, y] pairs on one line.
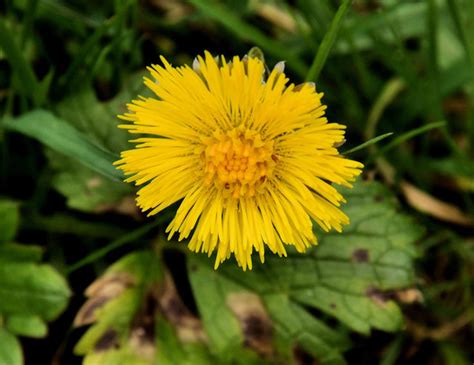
[[251, 160]]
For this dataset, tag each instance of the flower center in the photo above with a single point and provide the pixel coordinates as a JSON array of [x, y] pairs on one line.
[[238, 162]]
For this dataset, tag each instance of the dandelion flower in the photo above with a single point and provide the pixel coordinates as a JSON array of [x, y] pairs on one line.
[[252, 160]]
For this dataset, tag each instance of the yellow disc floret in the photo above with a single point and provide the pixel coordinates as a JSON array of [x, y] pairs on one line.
[[238, 162]]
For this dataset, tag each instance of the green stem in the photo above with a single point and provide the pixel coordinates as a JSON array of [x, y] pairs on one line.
[[129, 237]]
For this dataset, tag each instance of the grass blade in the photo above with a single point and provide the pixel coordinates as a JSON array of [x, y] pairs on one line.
[[22, 69], [119, 242], [405, 137], [328, 42], [85, 52], [62, 137], [248, 32], [368, 143], [455, 12], [388, 94]]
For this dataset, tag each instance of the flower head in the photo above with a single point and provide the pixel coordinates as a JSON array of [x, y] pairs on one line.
[[252, 161]]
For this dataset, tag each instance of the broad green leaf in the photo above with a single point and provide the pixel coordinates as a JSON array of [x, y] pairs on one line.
[[224, 331], [171, 351], [84, 188], [98, 120], [30, 294], [10, 350], [28, 288], [348, 276], [9, 219], [124, 356], [62, 137], [33, 289], [26, 325], [294, 324]]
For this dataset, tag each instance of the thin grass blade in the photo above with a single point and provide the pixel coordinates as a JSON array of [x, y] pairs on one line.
[[327, 43]]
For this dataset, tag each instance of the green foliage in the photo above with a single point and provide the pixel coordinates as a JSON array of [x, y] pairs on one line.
[[86, 188], [349, 277], [9, 219], [131, 306], [131, 280], [30, 293], [10, 350], [57, 134]]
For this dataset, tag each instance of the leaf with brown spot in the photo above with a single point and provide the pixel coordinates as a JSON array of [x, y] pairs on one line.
[[378, 296], [122, 307], [352, 277], [360, 255], [128, 306]]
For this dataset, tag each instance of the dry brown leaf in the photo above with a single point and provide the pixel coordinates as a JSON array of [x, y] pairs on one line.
[[126, 206], [276, 16], [442, 332], [409, 296], [254, 321], [188, 327], [99, 293], [434, 207]]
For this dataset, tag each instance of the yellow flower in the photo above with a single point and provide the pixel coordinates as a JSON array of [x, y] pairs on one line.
[[251, 160]]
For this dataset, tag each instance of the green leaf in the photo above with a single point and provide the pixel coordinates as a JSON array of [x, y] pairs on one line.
[[29, 288], [348, 276], [118, 317], [62, 137], [138, 318], [30, 294], [211, 291], [9, 220], [10, 350], [171, 351], [327, 42], [26, 325], [84, 188]]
